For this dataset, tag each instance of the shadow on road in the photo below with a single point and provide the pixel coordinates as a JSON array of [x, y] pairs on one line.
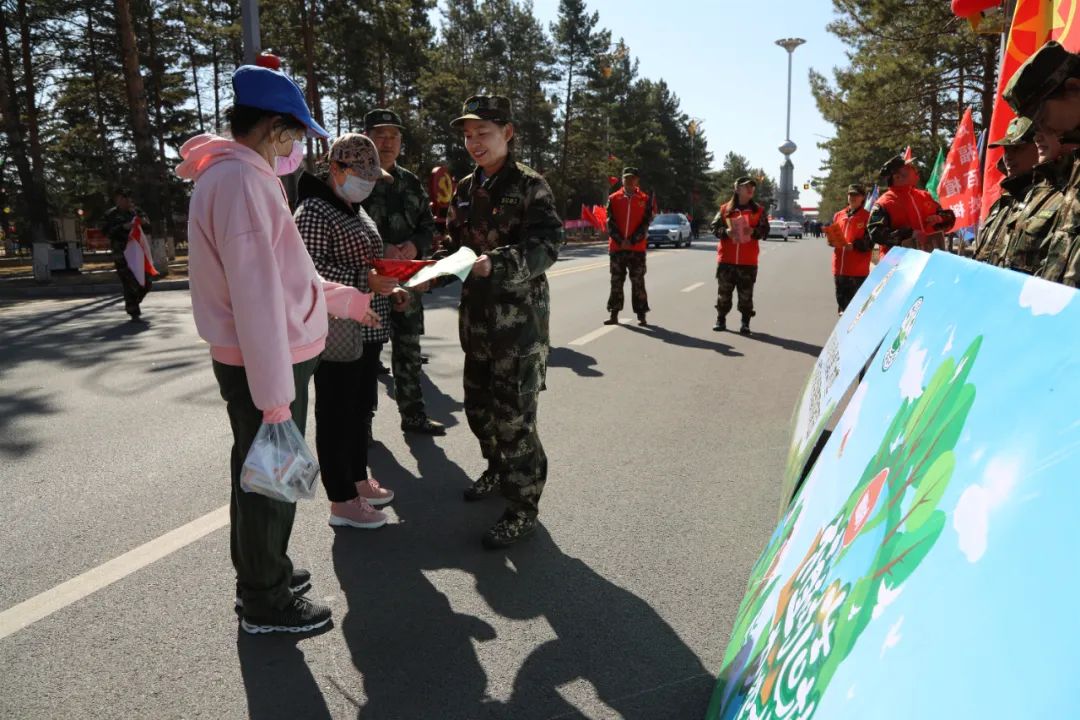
[[688, 341], [418, 655], [788, 344], [277, 679], [582, 364]]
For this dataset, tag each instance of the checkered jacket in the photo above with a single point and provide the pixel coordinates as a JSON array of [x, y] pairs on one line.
[[342, 243]]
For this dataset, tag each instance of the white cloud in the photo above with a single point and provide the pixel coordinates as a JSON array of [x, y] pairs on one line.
[[1044, 297], [911, 381], [851, 693], [886, 597], [971, 519], [854, 409], [894, 636], [949, 342], [978, 455]]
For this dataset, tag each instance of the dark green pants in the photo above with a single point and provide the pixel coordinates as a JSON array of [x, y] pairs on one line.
[[405, 330], [260, 529]]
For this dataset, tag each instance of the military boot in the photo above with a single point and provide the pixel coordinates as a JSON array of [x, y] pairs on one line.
[[422, 424], [613, 320], [641, 319], [721, 325], [510, 528], [745, 328], [484, 487]]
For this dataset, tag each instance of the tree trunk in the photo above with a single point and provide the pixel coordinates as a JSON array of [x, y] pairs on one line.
[[37, 166], [193, 62], [307, 13], [157, 70], [37, 213], [215, 64], [566, 127], [149, 196], [989, 93]]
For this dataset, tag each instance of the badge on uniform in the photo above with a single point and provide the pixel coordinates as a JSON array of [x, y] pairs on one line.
[[510, 200]]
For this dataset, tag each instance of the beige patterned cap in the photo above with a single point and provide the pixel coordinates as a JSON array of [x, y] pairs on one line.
[[359, 153]]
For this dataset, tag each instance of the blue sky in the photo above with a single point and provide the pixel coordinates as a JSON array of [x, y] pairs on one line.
[[712, 53]]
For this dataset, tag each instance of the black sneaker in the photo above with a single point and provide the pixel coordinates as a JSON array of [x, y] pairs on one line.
[[613, 320], [299, 583], [510, 528], [299, 616], [486, 486], [422, 424], [720, 326], [745, 329], [641, 320]]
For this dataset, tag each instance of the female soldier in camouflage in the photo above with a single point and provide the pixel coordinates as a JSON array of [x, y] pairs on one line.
[[505, 212]]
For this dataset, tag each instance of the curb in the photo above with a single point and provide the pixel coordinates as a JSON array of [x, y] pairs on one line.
[[68, 291]]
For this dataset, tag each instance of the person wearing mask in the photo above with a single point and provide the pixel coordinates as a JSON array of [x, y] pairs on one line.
[[1018, 162], [343, 243], [262, 307], [116, 227], [905, 214], [505, 212], [629, 212], [740, 225], [851, 247], [401, 210]]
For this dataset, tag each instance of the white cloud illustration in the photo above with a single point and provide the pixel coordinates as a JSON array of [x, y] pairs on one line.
[[1044, 297], [894, 636], [886, 597], [854, 409], [971, 519], [911, 381], [949, 342]]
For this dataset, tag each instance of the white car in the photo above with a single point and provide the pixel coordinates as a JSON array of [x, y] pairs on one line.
[[794, 229], [778, 228]]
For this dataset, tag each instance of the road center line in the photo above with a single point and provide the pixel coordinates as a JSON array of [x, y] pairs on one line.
[[41, 606], [597, 333], [693, 287]]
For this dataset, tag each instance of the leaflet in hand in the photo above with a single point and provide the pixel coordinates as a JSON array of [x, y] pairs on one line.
[[459, 265]]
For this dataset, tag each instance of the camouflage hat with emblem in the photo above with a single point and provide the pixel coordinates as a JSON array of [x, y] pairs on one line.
[[495, 108], [745, 180], [1020, 132], [894, 164], [1038, 78], [854, 189], [359, 153], [630, 171], [381, 117]]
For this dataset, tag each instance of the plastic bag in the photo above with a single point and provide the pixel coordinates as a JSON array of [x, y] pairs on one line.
[[279, 464]]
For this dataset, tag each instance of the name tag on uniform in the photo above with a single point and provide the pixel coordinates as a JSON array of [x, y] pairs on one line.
[[510, 200], [463, 203]]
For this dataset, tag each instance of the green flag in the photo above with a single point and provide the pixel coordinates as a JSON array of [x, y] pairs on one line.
[[935, 174]]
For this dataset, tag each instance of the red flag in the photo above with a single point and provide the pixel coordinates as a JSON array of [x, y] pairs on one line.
[[907, 154], [138, 237], [587, 216], [600, 213], [960, 187], [612, 180], [400, 269]]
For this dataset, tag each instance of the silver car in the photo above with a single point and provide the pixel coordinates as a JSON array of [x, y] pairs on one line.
[[670, 229]]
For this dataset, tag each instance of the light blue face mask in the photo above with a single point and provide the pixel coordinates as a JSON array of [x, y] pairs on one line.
[[356, 190]]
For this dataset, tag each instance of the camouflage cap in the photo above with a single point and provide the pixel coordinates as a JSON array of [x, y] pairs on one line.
[[856, 190], [495, 108], [381, 117], [359, 153], [630, 171], [894, 164], [1039, 76], [1020, 132], [745, 180]]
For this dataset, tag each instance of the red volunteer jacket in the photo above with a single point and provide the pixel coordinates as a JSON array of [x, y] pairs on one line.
[[628, 218], [907, 207], [851, 259], [729, 252]]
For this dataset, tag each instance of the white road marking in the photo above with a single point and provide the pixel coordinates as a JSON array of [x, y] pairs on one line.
[[597, 333], [41, 606], [693, 287]]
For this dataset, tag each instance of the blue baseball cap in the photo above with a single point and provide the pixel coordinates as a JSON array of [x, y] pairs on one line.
[[273, 90]]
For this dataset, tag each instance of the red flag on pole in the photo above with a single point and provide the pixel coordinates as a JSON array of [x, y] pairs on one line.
[[587, 216], [907, 154], [960, 187], [600, 213]]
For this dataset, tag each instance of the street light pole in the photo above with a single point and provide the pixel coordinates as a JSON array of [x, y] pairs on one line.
[[787, 170]]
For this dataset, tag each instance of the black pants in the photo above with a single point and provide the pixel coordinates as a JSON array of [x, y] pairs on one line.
[[260, 528], [340, 427], [369, 380], [846, 287]]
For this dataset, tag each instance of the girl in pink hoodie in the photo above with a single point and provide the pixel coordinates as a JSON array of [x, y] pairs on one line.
[[263, 308]]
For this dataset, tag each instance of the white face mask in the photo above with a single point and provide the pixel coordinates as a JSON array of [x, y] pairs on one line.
[[356, 190], [287, 165]]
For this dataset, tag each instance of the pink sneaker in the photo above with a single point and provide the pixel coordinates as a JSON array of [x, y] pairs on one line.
[[356, 513], [375, 494]]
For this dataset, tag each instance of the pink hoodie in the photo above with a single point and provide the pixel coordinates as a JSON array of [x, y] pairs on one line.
[[255, 293]]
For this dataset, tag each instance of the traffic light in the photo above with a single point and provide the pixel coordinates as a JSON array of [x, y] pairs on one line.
[[806, 186]]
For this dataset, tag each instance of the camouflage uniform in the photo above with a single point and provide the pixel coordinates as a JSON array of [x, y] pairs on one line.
[[503, 321], [113, 228], [1028, 240], [995, 235], [402, 213]]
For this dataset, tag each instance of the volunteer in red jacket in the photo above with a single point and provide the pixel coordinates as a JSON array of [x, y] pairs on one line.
[[740, 225], [629, 212], [851, 247], [904, 214]]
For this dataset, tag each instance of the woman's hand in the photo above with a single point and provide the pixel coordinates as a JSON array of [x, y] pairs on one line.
[[381, 284], [370, 319], [393, 253], [482, 266], [401, 299]]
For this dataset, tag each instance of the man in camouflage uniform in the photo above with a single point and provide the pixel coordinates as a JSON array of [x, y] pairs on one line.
[[117, 227], [1028, 241], [507, 217], [1046, 88], [1018, 165], [401, 211], [629, 213]]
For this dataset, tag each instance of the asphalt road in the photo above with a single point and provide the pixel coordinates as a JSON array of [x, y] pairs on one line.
[[666, 446]]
